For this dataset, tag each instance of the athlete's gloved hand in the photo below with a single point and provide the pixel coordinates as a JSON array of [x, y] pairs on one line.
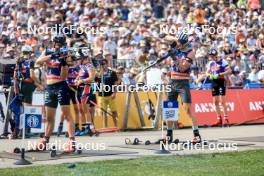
[[63, 61], [214, 76], [172, 51], [55, 54]]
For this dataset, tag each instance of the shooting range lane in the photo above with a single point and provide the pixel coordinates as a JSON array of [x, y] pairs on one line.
[[182, 145], [115, 143], [45, 155], [247, 139]]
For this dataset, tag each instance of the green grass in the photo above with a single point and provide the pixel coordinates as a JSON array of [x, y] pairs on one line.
[[248, 163]]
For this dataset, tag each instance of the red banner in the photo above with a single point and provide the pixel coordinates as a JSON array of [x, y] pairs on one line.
[[243, 106]]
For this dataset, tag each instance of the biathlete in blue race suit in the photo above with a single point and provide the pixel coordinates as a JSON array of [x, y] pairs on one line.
[[217, 68], [24, 83], [180, 74], [72, 75], [57, 90], [83, 82]]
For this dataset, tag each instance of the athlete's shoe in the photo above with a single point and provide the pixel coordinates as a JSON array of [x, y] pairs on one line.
[[225, 123], [70, 147], [28, 133], [218, 123], [14, 134], [91, 132], [196, 139], [169, 136], [169, 139], [84, 133], [164, 141], [41, 146], [78, 133]]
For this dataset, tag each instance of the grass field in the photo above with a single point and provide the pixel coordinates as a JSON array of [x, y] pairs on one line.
[[248, 163]]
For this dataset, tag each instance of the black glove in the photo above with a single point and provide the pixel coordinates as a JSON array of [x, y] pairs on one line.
[[63, 52], [56, 54], [173, 45], [171, 52], [97, 79], [63, 61]]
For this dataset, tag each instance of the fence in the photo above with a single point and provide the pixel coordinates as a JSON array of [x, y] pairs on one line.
[[133, 109]]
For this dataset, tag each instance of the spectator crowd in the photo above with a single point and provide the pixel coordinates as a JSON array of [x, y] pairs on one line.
[[131, 34]]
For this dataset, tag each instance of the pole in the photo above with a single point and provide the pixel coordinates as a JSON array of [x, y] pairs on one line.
[[163, 141], [22, 160]]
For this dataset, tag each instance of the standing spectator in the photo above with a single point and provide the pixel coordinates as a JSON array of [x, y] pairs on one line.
[[107, 99]]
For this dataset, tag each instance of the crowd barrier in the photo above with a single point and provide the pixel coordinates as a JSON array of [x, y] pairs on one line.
[[244, 107]]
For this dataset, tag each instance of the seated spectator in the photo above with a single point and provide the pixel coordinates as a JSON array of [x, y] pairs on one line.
[[202, 79], [2, 48], [243, 76], [260, 42], [253, 4], [251, 41], [194, 75], [130, 78], [240, 37], [120, 75], [164, 76], [261, 76], [228, 52], [109, 57], [235, 79], [40, 74], [253, 76]]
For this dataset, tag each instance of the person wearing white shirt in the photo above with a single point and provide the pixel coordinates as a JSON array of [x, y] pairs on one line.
[[110, 46], [261, 76], [253, 76]]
